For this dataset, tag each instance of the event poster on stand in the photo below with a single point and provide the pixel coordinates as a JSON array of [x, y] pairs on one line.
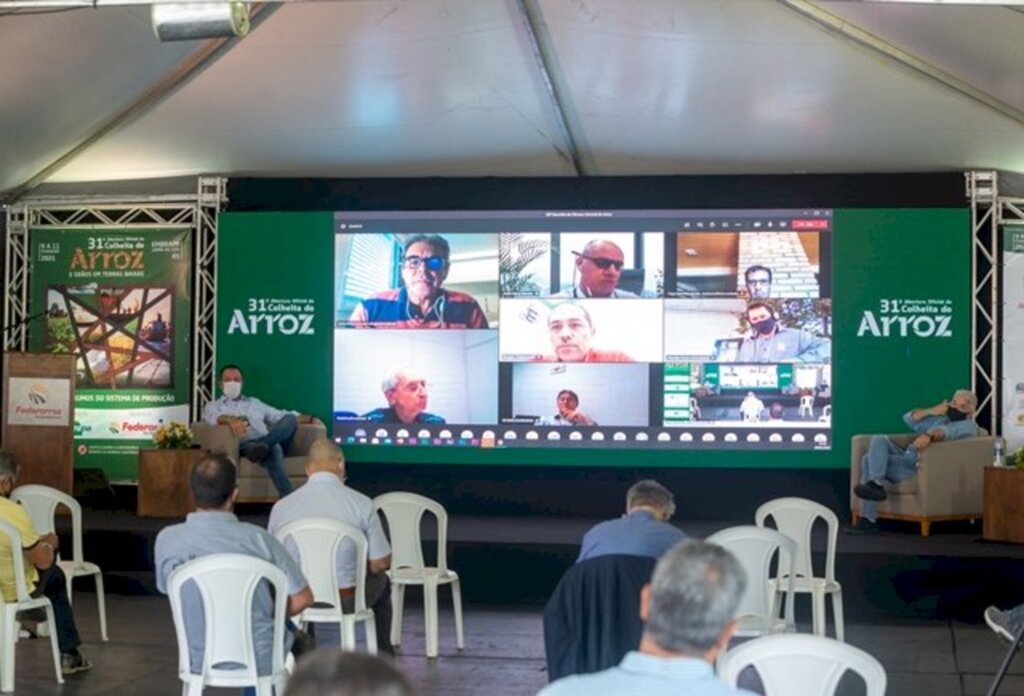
[[1013, 338], [119, 300]]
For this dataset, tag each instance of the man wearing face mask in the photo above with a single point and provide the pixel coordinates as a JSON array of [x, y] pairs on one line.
[[769, 342], [887, 461], [264, 432]]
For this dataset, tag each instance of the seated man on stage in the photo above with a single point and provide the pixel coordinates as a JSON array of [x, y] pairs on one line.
[[406, 394], [687, 610], [43, 577], [644, 529], [887, 461], [264, 431], [325, 495]]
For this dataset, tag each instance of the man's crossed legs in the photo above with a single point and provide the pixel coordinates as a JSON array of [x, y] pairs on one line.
[[884, 461], [268, 451]]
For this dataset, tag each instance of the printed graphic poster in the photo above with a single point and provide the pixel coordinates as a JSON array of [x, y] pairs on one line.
[[119, 302], [1013, 338]]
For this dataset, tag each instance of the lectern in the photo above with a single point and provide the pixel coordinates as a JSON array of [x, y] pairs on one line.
[[38, 417]]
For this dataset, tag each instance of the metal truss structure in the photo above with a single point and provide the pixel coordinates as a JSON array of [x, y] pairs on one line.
[[198, 213], [983, 194]]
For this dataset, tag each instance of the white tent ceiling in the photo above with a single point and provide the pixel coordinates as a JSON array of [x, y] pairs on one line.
[[355, 88]]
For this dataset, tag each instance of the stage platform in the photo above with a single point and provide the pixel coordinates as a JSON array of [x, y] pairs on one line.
[[510, 561]]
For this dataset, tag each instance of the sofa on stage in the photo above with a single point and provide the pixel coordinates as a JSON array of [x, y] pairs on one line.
[[254, 485], [949, 484]]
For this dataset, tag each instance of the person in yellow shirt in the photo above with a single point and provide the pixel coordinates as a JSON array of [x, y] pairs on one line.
[[43, 577]]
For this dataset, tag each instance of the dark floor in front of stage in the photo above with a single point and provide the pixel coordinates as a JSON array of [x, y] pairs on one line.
[[504, 654]]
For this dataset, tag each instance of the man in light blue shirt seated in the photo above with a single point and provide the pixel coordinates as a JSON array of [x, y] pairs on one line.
[[644, 529], [264, 432], [887, 461], [687, 610]]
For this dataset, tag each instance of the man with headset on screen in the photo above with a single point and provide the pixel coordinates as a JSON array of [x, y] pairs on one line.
[[600, 267], [421, 302], [769, 342], [406, 392]]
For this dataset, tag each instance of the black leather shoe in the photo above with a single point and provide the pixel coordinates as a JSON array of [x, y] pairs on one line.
[[257, 453], [870, 491]]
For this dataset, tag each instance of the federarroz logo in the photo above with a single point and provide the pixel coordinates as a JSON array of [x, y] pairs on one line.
[[268, 316], [904, 318]]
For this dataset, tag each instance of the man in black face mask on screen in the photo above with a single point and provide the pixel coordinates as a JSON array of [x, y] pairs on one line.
[[887, 461], [769, 342]]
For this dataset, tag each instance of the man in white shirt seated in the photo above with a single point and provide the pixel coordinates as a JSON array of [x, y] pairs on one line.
[[688, 610], [325, 495]]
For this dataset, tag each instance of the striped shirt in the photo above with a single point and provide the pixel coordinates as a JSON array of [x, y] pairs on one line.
[[391, 309]]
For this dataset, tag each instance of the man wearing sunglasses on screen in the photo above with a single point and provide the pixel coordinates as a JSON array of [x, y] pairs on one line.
[[600, 267], [421, 302]]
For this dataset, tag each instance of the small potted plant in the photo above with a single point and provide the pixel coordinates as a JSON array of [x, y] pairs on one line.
[[1018, 459], [173, 435]]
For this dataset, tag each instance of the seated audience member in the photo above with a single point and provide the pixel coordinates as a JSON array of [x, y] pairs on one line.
[[758, 280], [571, 331], [43, 577], [1006, 624], [770, 343], [334, 673], [776, 411], [213, 528], [887, 461], [325, 495], [421, 302], [599, 266], [567, 403], [751, 407], [688, 610], [406, 393], [264, 432], [644, 529]]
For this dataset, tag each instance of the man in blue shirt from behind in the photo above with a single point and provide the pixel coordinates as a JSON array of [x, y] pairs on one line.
[[644, 529], [887, 461], [687, 610]]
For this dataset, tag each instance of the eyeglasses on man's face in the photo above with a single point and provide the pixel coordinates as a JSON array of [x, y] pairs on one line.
[[431, 263], [603, 263]]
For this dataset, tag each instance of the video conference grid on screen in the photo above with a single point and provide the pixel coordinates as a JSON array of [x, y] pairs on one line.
[[661, 329]]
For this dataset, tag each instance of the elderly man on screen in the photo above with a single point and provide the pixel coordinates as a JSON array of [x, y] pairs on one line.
[[599, 266], [571, 331], [421, 302], [887, 461], [325, 495], [264, 432], [687, 610], [643, 531], [406, 394]]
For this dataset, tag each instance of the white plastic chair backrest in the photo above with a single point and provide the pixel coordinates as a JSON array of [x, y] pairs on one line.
[[795, 517], [41, 504], [807, 400], [404, 512], [827, 411], [227, 583], [319, 541], [755, 547], [802, 665], [18, 556]]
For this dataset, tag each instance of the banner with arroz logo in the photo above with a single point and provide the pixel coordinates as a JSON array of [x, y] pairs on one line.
[[119, 300]]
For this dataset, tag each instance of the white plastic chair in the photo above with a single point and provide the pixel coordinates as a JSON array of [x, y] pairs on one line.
[[754, 548], [795, 517], [826, 414], [227, 583], [802, 665], [403, 512], [23, 602], [694, 409], [319, 541], [806, 406], [41, 504]]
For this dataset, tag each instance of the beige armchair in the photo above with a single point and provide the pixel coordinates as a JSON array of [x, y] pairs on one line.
[[949, 484], [254, 485]]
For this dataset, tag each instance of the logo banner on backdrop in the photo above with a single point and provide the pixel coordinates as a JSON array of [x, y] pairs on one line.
[[1013, 338], [120, 302], [38, 401]]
